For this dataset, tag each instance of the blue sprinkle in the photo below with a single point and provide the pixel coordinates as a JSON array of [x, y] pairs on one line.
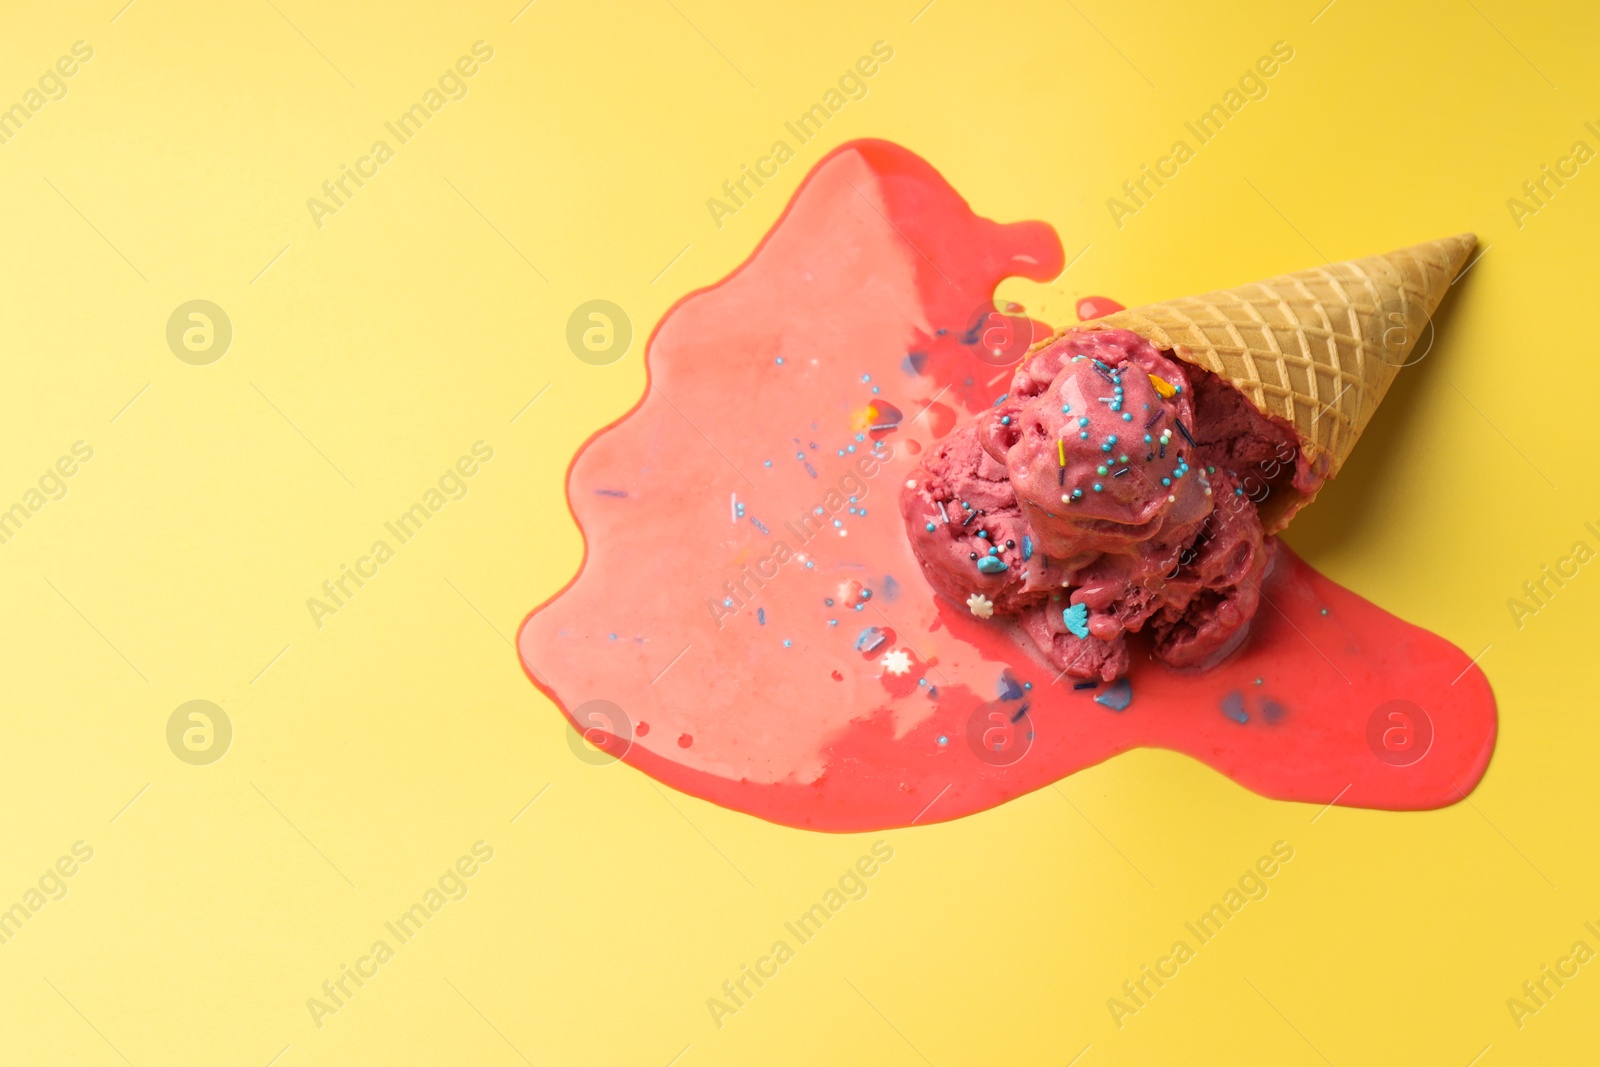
[[1076, 619], [992, 565], [891, 588], [828, 600], [727, 602], [1118, 697], [875, 390], [1008, 686], [810, 563], [787, 643], [866, 377], [1097, 487], [780, 361], [761, 616], [1083, 420], [833, 622], [1027, 554], [870, 638], [1001, 399], [1084, 435], [942, 739], [1005, 420], [930, 527], [1233, 707], [1126, 417], [1085, 685], [839, 522]]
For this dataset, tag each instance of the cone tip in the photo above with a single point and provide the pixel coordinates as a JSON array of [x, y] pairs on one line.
[[1460, 248]]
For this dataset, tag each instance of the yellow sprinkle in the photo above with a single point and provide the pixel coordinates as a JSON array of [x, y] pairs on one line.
[[1164, 387], [1061, 451]]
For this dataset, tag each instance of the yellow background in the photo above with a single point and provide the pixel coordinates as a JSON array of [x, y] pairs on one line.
[[368, 354]]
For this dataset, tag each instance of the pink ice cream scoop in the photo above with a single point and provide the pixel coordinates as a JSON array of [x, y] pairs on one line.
[[1094, 450], [968, 532], [1108, 491]]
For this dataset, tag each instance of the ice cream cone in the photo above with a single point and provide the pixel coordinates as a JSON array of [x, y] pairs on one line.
[[1317, 348]]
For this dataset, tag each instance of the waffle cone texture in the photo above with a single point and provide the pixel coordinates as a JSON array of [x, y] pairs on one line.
[[1316, 349]]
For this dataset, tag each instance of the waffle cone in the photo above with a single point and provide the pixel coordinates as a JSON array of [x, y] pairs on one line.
[[1316, 349]]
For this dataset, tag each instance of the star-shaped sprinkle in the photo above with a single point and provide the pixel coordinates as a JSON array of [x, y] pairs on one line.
[[896, 662], [980, 605]]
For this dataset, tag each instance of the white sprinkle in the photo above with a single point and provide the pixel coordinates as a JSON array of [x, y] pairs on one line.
[[911, 484]]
